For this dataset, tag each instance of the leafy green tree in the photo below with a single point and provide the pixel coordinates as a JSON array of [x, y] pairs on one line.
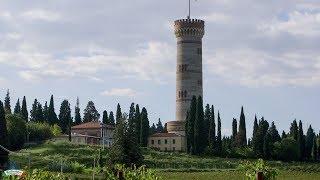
[[301, 142], [267, 145], [7, 106], [77, 116], [314, 153], [206, 124], [119, 113], [90, 113], [65, 118], [17, 108], [190, 120], [294, 130], [137, 118], [241, 135], [46, 112], [159, 127], [3, 136], [287, 149], [258, 139], [199, 134], [144, 132], [16, 131], [234, 131], [24, 110], [52, 116], [111, 118], [274, 134], [309, 142], [212, 129], [219, 141]]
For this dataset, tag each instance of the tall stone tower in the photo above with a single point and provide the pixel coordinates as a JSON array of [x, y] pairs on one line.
[[189, 34]]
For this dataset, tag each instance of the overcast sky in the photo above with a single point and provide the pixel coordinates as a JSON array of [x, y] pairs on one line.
[[264, 55]]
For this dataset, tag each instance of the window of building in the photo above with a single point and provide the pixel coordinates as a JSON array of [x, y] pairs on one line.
[[165, 141], [173, 149], [165, 149], [152, 141], [173, 141], [199, 51], [159, 141]]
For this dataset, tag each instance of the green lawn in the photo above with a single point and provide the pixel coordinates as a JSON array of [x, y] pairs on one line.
[[79, 159]]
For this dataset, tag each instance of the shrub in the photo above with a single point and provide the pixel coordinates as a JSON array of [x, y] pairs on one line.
[[56, 130], [39, 131], [73, 167], [16, 131], [251, 170]]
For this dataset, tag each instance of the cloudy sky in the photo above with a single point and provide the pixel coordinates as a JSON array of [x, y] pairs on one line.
[[264, 55]]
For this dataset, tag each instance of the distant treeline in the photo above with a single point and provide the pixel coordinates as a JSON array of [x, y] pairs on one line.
[[203, 134]]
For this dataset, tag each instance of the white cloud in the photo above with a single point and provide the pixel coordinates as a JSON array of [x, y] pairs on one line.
[[298, 23], [40, 14], [13, 36], [153, 62], [257, 68], [217, 18], [125, 92]]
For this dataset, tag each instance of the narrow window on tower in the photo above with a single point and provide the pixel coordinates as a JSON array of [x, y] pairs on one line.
[[199, 51]]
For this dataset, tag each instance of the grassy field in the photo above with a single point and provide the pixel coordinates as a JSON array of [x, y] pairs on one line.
[[230, 175], [79, 159]]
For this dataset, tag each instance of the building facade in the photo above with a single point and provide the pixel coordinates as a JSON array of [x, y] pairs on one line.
[[94, 133], [167, 142]]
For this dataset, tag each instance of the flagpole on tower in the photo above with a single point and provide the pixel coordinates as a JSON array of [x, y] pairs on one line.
[[189, 9]]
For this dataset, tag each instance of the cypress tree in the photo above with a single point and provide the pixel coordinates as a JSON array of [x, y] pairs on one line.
[[90, 113], [24, 110], [241, 135], [153, 129], [105, 118], [137, 117], [40, 117], [301, 141], [119, 113], [212, 129], [3, 136], [111, 118], [234, 131], [199, 134], [190, 124], [314, 149], [65, 117], [131, 114], [159, 127], [318, 140], [52, 116], [206, 124], [274, 134], [294, 130], [34, 111], [309, 142], [219, 140], [255, 126], [17, 108], [144, 132], [45, 112], [267, 146], [165, 128], [7, 106], [283, 135], [77, 116]]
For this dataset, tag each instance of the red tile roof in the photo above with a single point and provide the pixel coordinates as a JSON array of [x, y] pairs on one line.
[[88, 125], [165, 135]]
